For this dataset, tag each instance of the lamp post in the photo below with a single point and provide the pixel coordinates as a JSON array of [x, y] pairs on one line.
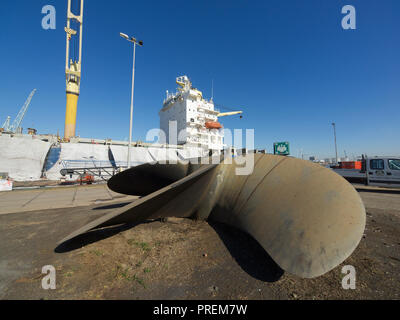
[[140, 43], [334, 133]]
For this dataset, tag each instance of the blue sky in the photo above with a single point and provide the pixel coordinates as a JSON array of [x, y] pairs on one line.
[[288, 64]]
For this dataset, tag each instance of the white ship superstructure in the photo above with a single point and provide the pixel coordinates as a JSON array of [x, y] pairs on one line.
[[196, 119]]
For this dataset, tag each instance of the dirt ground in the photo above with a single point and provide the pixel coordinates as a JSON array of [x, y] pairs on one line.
[[183, 259]]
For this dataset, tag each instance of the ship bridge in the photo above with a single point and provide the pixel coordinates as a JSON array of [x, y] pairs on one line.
[[192, 113]]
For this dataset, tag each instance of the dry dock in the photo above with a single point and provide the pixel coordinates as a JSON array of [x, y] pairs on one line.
[[177, 259]]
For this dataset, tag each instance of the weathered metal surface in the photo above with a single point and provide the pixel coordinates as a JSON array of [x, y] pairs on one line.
[[308, 218], [150, 177], [147, 178], [148, 206]]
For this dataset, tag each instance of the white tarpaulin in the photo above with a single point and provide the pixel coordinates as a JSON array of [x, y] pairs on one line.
[[189, 153], [163, 154], [139, 155], [79, 155], [22, 157]]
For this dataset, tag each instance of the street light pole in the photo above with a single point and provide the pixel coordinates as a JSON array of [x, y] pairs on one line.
[[334, 133], [140, 43], [131, 116]]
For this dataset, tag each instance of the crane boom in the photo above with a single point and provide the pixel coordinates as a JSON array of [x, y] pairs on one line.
[[229, 113], [18, 120], [6, 124], [73, 70]]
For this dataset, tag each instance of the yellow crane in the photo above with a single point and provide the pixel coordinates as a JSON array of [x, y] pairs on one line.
[[72, 72]]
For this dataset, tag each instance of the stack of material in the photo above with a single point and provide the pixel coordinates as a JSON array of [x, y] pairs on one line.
[[350, 165]]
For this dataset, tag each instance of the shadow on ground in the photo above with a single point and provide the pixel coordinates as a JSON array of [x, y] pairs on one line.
[[248, 253], [112, 206], [377, 190], [94, 236]]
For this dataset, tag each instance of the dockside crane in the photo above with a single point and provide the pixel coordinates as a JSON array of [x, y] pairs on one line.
[[73, 70], [21, 114], [6, 123]]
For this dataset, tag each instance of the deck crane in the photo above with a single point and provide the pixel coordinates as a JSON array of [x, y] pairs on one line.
[[216, 124], [230, 113], [18, 120]]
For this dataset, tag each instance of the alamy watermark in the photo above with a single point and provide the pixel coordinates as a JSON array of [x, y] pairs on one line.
[[244, 164], [49, 281], [349, 280], [49, 20], [349, 20]]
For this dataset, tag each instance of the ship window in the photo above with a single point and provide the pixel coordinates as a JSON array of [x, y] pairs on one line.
[[376, 164], [394, 164]]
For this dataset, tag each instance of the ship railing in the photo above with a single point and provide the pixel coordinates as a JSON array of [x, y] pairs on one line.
[[207, 110], [195, 123], [124, 164], [171, 96], [69, 164], [100, 170]]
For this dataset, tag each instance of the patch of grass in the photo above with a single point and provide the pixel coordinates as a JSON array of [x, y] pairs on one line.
[[75, 268], [97, 252], [139, 280], [125, 275], [146, 270], [139, 264], [143, 245], [118, 269], [69, 274]]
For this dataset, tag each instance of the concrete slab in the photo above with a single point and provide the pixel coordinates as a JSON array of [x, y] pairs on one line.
[[59, 197]]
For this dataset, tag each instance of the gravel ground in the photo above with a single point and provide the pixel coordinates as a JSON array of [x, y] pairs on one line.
[[183, 259]]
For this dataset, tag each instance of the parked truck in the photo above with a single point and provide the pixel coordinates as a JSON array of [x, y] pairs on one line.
[[376, 171]]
